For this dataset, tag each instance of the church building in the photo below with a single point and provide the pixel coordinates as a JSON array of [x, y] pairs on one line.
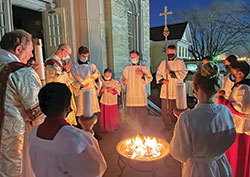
[[110, 28]]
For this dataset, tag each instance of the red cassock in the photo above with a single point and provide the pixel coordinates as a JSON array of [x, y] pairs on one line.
[[238, 154]]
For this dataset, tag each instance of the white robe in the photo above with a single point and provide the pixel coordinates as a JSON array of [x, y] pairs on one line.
[[227, 85], [108, 98], [136, 91], [72, 152], [201, 136], [82, 72], [179, 68], [21, 95], [240, 99]]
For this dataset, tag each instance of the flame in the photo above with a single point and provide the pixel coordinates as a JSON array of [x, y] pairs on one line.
[[141, 147]]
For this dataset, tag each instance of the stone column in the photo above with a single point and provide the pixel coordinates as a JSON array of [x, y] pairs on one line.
[[88, 29]]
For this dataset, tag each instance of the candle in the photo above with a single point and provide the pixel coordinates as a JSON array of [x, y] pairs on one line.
[[181, 99], [39, 60], [85, 101]]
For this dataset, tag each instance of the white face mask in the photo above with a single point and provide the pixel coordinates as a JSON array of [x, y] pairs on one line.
[[83, 59], [134, 60], [107, 78], [66, 58]]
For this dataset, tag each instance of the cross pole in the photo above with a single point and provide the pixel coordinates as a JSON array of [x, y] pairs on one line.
[[166, 33]]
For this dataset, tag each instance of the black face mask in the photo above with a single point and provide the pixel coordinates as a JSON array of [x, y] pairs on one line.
[[171, 56], [228, 68]]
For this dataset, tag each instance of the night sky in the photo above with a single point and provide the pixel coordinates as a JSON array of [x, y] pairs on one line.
[[157, 7]]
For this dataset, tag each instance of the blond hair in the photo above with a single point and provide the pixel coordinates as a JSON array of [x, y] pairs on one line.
[[208, 79]]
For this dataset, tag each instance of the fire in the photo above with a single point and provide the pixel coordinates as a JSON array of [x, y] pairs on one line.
[[143, 148]]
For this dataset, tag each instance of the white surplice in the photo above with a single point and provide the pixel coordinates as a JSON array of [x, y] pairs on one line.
[[227, 85], [201, 136], [240, 99], [136, 91], [179, 68], [108, 98], [72, 152], [81, 73], [21, 98]]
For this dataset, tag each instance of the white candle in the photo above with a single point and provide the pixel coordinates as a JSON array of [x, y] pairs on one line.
[[85, 102], [181, 99], [39, 60]]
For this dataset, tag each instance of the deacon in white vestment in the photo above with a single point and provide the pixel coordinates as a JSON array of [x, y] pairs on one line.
[[136, 77], [58, 70], [176, 73], [19, 107], [73, 152]]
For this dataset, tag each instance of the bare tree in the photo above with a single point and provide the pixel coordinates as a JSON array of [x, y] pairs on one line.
[[223, 27]]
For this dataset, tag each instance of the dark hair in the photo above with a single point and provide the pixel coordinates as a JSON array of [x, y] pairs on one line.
[[231, 59], [172, 47], [15, 38], [208, 79], [83, 50], [107, 70], [134, 51], [242, 66], [53, 98], [208, 58]]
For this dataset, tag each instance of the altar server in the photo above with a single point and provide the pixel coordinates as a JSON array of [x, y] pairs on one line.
[[58, 149], [136, 76], [203, 134], [109, 108], [239, 104], [86, 76], [176, 72]]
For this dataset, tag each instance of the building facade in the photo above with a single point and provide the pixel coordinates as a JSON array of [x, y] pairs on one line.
[[110, 28]]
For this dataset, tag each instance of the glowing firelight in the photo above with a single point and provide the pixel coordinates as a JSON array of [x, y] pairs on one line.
[[144, 148]]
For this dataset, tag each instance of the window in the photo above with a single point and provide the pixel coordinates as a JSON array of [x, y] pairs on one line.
[[5, 24]]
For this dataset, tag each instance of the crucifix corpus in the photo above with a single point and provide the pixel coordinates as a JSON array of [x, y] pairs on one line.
[[166, 33]]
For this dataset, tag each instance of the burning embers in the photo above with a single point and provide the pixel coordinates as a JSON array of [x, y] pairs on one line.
[[143, 148]]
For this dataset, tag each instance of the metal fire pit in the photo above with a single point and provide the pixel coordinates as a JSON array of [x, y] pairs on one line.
[[141, 165]]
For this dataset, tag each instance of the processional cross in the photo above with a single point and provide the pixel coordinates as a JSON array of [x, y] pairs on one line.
[[166, 33]]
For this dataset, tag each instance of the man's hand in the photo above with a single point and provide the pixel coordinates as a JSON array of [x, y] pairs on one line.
[[68, 66], [85, 86], [35, 67], [165, 82], [139, 72], [167, 71], [124, 82], [220, 93], [109, 90]]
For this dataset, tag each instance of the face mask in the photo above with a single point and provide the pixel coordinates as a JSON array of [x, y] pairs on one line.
[[66, 58], [171, 56], [107, 78], [134, 60], [83, 59], [228, 68]]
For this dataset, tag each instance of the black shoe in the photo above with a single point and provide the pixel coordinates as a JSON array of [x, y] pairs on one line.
[[98, 137]]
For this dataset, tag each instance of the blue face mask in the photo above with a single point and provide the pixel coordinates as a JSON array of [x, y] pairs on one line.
[[83, 59]]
